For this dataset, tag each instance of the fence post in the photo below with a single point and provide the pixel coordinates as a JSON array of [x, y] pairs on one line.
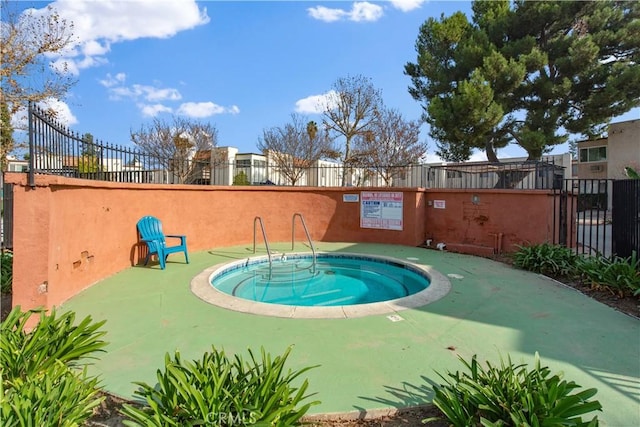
[[625, 228], [564, 196], [32, 175], [7, 216]]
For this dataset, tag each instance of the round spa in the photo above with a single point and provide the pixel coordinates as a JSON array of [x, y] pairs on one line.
[[331, 285]]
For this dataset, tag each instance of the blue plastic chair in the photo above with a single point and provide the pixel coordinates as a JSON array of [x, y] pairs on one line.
[[150, 229]]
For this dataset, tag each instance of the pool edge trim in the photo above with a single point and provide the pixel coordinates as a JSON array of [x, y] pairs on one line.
[[438, 288]]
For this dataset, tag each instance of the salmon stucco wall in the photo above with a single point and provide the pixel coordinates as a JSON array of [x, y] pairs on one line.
[[483, 222], [70, 233]]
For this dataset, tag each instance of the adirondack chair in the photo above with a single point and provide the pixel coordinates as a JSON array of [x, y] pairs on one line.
[[150, 229]]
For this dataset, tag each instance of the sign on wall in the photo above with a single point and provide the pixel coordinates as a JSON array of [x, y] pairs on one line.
[[381, 209]]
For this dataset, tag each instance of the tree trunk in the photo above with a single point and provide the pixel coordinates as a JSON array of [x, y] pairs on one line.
[[346, 164], [508, 179], [491, 153]]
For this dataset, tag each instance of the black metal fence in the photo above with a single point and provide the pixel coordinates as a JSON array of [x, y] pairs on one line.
[[527, 175], [6, 225], [598, 216], [55, 150], [626, 217]]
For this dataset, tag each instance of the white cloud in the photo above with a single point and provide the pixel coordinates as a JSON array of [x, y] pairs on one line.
[[360, 11], [74, 66], [316, 104], [117, 90], [151, 93], [98, 24], [64, 116], [64, 66], [365, 11], [117, 20], [20, 120], [111, 81], [205, 109], [151, 100], [325, 14], [152, 110], [407, 5], [93, 48]]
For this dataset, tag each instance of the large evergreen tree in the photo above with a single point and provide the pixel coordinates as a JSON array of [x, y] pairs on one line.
[[526, 72]]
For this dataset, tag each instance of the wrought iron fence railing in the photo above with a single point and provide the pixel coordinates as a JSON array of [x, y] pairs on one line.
[[598, 216], [55, 150]]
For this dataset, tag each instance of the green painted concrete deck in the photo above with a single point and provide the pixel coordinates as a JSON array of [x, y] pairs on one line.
[[372, 363]]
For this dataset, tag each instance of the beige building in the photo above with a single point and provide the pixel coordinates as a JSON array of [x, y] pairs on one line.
[[606, 158]]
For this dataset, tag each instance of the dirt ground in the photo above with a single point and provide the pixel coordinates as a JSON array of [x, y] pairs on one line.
[[107, 414]]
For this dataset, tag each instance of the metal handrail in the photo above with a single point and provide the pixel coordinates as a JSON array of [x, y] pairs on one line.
[[306, 231], [264, 236]]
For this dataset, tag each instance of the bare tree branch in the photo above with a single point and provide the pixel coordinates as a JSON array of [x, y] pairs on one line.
[[182, 146], [350, 111], [29, 43], [391, 144], [295, 147]]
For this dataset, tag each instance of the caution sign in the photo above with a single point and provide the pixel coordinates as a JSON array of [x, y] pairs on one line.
[[381, 210]]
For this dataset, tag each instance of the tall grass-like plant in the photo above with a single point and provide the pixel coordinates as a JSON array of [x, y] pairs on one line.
[[57, 396], [6, 272], [42, 384], [512, 395], [617, 273], [54, 338], [547, 259], [216, 390]]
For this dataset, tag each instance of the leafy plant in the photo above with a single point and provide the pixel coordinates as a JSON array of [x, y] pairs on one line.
[[54, 338], [631, 173], [512, 395], [6, 272], [56, 396], [551, 260], [41, 384], [88, 163], [241, 179], [621, 274], [216, 390]]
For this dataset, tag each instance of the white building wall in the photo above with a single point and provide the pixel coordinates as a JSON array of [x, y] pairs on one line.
[[623, 148], [222, 161]]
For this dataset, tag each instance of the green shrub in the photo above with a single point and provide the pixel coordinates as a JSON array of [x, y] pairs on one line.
[[551, 260], [41, 383], [54, 338], [57, 396], [6, 272], [241, 179], [218, 391], [512, 395], [620, 274]]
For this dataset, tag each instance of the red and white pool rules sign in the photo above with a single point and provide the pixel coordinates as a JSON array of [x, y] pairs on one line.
[[381, 209]]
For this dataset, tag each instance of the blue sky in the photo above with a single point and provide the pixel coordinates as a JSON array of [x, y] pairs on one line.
[[242, 66]]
